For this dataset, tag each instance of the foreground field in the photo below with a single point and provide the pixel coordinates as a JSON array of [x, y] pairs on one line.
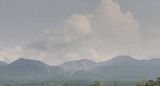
[[67, 83]]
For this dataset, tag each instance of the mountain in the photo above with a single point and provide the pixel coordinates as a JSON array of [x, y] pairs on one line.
[[122, 58], [78, 65], [119, 59], [27, 65], [24, 68], [27, 62], [127, 68], [2, 63], [118, 68]]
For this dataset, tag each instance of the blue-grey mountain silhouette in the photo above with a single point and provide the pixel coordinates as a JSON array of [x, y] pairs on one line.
[[119, 68]]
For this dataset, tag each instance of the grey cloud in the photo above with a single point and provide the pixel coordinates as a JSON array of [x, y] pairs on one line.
[[41, 45]]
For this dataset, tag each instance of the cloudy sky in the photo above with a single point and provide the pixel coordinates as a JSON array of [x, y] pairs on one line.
[[55, 31]]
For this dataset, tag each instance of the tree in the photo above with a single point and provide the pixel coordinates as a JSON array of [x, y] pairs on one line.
[[96, 83]]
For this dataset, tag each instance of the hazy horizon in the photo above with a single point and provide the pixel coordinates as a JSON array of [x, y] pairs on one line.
[[156, 58], [56, 31]]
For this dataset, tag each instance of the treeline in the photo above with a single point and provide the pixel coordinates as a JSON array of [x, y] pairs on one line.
[[150, 82]]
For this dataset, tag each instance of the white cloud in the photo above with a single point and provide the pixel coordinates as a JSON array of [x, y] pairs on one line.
[[107, 32], [115, 32], [79, 23], [11, 54], [111, 21]]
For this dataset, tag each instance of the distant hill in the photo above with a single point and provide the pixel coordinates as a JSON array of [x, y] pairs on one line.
[[127, 68], [118, 68], [117, 60], [2, 63], [26, 69], [78, 65]]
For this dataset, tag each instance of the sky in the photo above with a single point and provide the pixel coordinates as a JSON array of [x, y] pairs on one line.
[[55, 31]]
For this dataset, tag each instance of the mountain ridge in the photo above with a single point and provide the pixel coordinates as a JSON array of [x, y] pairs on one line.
[[78, 65], [2, 63], [120, 67], [116, 58]]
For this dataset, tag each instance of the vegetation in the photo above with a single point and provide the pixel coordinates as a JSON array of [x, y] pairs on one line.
[[97, 83], [81, 83], [68, 83], [150, 83]]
